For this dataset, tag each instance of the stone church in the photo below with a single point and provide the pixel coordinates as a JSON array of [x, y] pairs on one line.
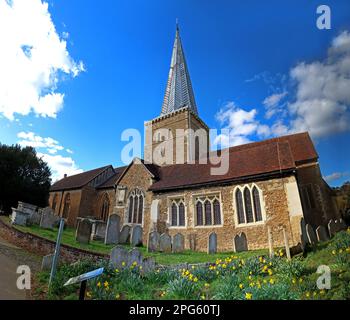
[[270, 184]]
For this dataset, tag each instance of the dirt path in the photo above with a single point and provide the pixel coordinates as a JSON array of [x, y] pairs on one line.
[[10, 258]]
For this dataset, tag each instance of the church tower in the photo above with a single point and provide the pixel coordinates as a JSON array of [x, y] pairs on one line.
[[177, 135]]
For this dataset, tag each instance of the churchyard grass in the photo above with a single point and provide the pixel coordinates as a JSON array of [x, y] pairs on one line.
[[68, 238], [233, 277]]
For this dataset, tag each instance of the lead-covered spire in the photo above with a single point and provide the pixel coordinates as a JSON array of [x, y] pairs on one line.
[[179, 92]]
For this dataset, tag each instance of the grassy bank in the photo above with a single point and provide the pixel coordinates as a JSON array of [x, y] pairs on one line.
[[230, 278], [68, 238]]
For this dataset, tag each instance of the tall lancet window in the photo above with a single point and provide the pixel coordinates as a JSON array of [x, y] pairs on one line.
[[135, 207]]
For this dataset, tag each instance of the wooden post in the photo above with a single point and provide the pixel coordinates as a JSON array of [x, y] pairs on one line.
[[269, 236], [286, 243]]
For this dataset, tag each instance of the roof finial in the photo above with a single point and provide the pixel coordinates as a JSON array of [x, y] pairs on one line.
[[177, 24]]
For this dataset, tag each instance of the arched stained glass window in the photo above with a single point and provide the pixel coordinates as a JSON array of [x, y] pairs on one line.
[[181, 214], [207, 208], [140, 211], [248, 206], [199, 213], [239, 205], [257, 206], [174, 214], [217, 213]]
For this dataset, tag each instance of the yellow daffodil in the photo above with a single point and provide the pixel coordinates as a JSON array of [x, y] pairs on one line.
[[334, 252], [294, 281], [123, 263], [270, 272], [272, 281], [307, 294], [106, 284], [88, 294], [207, 285], [195, 279], [116, 270], [248, 296], [241, 286], [117, 296], [99, 284]]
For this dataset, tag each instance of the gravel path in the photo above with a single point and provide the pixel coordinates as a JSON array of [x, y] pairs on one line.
[[10, 258]]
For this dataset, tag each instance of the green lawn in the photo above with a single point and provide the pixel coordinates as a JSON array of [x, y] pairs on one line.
[[68, 238]]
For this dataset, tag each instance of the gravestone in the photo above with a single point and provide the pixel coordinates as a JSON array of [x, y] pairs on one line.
[[118, 257], [153, 241], [26, 207], [240, 242], [148, 264], [311, 235], [19, 218], [165, 243], [134, 257], [322, 234], [47, 262], [48, 219], [112, 229], [304, 238], [35, 218], [100, 231], [192, 241], [83, 233], [124, 236], [212, 243], [178, 243], [136, 236], [331, 228]]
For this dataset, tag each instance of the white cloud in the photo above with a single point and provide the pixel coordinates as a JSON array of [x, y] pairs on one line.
[[272, 104], [240, 123], [335, 176], [32, 59], [322, 104], [59, 164], [69, 151]]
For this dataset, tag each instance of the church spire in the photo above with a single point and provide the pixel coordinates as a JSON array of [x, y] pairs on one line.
[[179, 92]]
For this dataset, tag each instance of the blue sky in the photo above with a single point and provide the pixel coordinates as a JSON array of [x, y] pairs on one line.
[[239, 54]]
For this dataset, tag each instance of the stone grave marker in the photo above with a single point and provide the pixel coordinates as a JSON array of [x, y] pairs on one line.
[[165, 243], [47, 262], [134, 258], [148, 264], [48, 219], [240, 242], [118, 257], [124, 237], [178, 243], [212, 243], [304, 238], [332, 228], [100, 231], [153, 241], [311, 235], [84, 231], [19, 218], [192, 241], [322, 234], [113, 229], [35, 218], [136, 236]]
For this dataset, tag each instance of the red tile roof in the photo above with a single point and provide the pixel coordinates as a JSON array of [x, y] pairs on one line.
[[77, 181], [253, 159], [113, 179]]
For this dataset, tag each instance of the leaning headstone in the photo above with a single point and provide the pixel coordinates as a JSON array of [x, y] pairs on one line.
[[148, 264], [165, 243], [331, 228], [112, 229], [100, 231], [26, 207], [212, 243], [178, 243], [19, 218], [35, 218], [124, 236], [322, 234], [240, 242], [311, 235], [304, 238], [47, 262], [84, 231], [134, 258], [136, 236], [118, 257], [153, 241], [48, 219]]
